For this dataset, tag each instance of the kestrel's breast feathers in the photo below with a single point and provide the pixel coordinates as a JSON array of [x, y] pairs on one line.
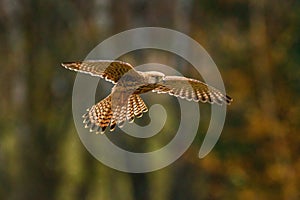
[[191, 89], [110, 70]]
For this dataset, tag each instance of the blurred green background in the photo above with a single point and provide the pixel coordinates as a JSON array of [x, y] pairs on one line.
[[256, 46]]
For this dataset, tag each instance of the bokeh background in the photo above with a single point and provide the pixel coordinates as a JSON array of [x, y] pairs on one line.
[[256, 46]]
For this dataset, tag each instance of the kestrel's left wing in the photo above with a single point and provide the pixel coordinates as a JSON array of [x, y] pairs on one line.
[[191, 89], [110, 70]]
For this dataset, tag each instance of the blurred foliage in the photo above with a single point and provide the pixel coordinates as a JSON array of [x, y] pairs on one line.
[[256, 46]]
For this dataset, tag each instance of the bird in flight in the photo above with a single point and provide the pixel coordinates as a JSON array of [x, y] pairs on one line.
[[124, 101]]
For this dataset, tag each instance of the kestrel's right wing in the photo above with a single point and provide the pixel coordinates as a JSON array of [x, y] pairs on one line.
[[110, 70], [191, 89]]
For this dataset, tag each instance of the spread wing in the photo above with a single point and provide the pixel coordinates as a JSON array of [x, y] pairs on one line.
[[110, 70], [191, 89]]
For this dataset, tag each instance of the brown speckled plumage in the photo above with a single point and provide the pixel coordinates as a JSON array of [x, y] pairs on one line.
[[124, 102]]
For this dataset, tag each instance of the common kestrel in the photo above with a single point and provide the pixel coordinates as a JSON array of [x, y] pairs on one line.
[[124, 102]]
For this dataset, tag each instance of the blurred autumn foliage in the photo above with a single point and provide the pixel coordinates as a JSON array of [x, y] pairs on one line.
[[256, 46]]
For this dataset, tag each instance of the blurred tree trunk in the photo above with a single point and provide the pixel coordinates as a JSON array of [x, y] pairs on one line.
[[261, 62], [266, 92], [42, 115], [121, 12]]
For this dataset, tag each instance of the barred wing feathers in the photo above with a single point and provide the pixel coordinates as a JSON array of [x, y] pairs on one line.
[[110, 70], [191, 89]]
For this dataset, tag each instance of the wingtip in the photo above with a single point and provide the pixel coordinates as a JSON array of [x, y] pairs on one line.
[[229, 100], [65, 64], [71, 65]]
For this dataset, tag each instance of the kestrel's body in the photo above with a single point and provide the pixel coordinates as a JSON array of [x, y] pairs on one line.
[[124, 102]]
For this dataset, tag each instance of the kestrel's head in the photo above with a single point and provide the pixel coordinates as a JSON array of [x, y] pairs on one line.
[[154, 77]]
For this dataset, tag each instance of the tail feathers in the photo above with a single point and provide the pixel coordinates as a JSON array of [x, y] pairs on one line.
[[139, 106], [98, 117], [101, 115]]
